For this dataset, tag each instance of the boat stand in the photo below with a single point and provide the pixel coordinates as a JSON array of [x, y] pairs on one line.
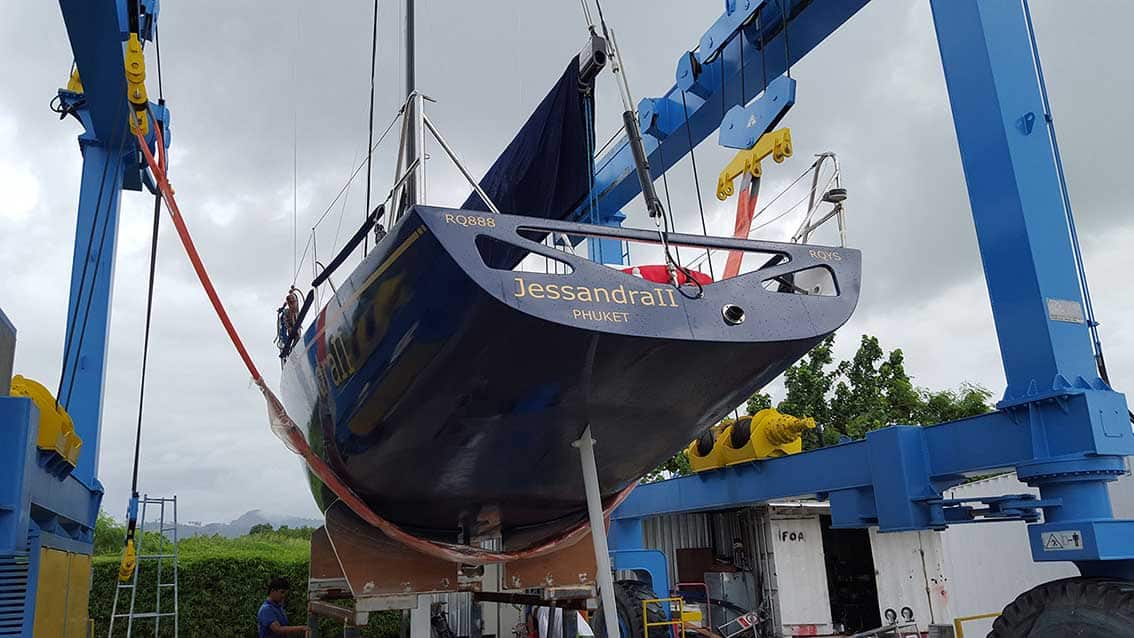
[[603, 573]]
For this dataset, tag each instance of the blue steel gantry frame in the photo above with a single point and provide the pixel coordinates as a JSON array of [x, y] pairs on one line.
[[1059, 426], [39, 509]]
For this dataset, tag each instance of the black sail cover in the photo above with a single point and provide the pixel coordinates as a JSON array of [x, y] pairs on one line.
[[546, 169]]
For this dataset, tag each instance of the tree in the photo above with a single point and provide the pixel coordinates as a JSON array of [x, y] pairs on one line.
[[808, 383], [260, 528], [108, 534], [950, 405], [757, 402], [869, 391], [677, 465]]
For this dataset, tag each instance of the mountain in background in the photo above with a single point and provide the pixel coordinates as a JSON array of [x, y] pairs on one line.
[[241, 524]]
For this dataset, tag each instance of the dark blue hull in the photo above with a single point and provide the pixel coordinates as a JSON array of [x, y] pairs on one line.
[[447, 393]]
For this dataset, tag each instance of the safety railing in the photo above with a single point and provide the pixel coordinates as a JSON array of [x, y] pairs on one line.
[[959, 621], [676, 624]]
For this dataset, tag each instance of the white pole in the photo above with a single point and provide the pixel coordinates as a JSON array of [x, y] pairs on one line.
[[604, 579]]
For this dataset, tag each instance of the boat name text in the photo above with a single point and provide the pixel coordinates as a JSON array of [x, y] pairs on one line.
[[470, 220], [661, 296]]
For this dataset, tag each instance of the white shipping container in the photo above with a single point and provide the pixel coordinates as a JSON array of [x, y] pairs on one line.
[[801, 573]]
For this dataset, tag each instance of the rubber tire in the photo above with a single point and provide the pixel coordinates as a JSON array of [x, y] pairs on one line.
[[1082, 607], [628, 597]]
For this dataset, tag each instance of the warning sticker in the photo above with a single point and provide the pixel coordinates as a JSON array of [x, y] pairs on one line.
[[1062, 541]]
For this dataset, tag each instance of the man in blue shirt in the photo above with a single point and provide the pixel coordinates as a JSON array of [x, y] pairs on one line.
[[272, 619]]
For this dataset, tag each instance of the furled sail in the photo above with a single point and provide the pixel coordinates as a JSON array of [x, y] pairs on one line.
[[546, 169]]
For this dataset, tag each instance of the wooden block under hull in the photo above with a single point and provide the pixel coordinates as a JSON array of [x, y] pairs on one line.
[[350, 558], [326, 580]]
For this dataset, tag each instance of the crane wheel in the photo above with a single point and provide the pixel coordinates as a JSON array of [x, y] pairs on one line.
[[628, 597], [1082, 607]]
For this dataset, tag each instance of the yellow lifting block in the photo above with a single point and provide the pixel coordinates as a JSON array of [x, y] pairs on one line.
[[74, 83], [777, 144], [136, 85], [56, 431]]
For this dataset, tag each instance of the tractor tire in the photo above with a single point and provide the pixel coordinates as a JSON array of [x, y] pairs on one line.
[[1082, 607], [628, 597]]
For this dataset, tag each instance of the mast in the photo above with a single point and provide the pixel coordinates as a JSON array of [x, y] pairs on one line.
[[415, 127]]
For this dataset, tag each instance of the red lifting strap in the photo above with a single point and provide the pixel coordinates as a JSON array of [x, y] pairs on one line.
[[287, 430], [745, 210], [659, 274]]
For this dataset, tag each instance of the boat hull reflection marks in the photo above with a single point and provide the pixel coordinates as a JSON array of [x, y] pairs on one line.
[[447, 393]]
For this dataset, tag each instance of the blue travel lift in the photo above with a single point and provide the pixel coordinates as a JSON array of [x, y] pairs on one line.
[[1059, 426]]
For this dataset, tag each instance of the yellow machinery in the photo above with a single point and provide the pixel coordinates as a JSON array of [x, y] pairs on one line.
[[768, 434], [57, 436], [64, 577]]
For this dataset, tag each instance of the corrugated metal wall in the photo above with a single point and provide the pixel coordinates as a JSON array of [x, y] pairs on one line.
[[672, 532], [718, 531]]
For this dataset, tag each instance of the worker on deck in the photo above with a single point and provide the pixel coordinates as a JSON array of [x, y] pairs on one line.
[[272, 619]]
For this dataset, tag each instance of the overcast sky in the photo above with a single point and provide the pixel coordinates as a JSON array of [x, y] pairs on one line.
[[261, 92]]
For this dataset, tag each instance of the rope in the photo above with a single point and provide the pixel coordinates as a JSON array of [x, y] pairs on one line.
[[370, 118], [285, 427]]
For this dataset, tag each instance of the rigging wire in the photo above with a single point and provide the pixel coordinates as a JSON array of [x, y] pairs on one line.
[[370, 120], [146, 339], [587, 14], [342, 211], [1092, 324], [72, 320], [787, 44], [696, 178], [781, 215], [157, 49], [668, 204], [295, 150], [344, 188]]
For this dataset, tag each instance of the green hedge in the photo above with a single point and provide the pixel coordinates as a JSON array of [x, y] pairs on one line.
[[222, 585]]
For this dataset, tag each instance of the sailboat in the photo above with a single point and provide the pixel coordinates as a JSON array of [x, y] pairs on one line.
[[446, 379]]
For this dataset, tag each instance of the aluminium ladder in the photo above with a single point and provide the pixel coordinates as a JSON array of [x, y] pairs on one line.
[[166, 553]]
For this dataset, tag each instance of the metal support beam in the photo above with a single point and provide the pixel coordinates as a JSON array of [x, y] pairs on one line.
[[707, 86], [1014, 190], [88, 311], [603, 576]]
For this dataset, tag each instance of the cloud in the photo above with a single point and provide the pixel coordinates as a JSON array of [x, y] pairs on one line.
[[252, 90]]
